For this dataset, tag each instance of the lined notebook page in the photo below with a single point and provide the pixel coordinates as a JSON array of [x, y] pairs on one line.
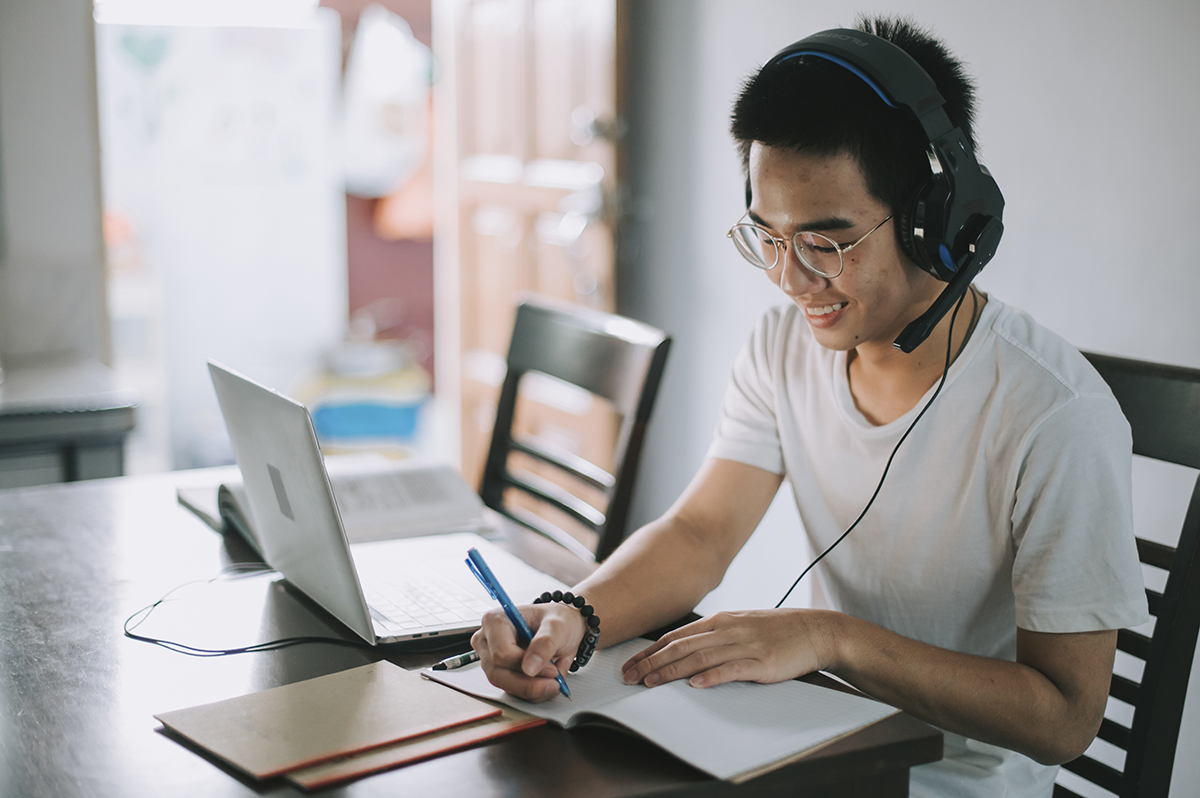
[[738, 727], [728, 731]]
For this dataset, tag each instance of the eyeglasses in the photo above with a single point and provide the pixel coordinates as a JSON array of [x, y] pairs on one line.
[[820, 255]]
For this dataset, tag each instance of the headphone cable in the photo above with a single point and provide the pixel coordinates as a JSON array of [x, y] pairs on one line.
[[892, 456], [242, 571]]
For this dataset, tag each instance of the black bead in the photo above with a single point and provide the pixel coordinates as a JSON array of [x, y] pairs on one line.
[[568, 597], [546, 597], [586, 610], [574, 667], [593, 621], [557, 595], [579, 602]]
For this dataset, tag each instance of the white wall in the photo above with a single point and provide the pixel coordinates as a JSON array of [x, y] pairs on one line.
[[1087, 118], [51, 251]]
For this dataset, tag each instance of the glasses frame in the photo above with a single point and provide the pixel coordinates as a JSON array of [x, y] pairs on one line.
[[781, 244]]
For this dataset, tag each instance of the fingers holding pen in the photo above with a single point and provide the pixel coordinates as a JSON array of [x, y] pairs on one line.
[[544, 649], [502, 658], [529, 673]]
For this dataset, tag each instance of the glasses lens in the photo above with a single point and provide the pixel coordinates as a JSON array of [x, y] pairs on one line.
[[819, 254], [755, 245]]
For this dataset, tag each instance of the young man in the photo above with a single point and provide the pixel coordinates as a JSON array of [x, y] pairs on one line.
[[982, 589]]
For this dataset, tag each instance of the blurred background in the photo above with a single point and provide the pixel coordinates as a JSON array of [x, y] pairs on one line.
[[344, 200], [245, 152]]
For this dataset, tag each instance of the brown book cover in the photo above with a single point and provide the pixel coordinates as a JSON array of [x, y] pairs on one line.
[[297, 725], [413, 750]]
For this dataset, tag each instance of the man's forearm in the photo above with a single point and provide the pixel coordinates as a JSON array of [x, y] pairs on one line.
[[1004, 703], [657, 576]]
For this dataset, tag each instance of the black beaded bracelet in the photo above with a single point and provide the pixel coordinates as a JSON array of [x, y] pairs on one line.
[[587, 646]]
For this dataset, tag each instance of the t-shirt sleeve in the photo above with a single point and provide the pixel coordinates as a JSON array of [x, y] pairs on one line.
[[747, 430], [1076, 567]]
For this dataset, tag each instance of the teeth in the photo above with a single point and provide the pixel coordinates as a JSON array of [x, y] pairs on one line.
[[825, 310]]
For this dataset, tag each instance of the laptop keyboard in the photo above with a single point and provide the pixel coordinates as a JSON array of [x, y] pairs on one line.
[[421, 602]]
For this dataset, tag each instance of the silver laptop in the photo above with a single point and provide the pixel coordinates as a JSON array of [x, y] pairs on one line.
[[384, 591]]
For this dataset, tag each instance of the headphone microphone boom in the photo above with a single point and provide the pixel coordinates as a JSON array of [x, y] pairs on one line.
[[952, 224], [982, 248]]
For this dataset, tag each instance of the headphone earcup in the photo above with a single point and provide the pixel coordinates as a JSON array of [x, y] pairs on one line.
[[906, 223], [927, 210]]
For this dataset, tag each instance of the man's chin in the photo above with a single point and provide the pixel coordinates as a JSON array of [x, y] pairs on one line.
[[835, 340]]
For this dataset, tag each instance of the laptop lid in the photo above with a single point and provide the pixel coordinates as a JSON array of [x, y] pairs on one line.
[[291, 500]]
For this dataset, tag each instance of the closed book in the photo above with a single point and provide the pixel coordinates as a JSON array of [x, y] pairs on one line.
[[301, 724]]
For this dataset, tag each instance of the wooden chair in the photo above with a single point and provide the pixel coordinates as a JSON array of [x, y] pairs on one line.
[[1162, 404], [609, 356]]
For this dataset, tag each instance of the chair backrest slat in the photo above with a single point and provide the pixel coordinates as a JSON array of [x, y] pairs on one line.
[[1114, 733], [552, 494], [1096, 772], [1124, 689], [1164, 400], [1134, 643], [1154, 601], [1155, 554], [577, 467], [545, 528], [603, 354]]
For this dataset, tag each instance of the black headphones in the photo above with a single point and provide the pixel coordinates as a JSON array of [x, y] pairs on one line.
[[952, 224]]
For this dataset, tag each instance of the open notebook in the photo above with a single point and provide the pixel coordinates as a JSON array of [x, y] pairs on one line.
[[731, 731]]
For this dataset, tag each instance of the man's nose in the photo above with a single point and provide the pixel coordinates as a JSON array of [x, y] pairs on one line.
[[796, 278]]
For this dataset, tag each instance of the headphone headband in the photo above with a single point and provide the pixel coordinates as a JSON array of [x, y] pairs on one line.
[[953, 224], [893, 74]]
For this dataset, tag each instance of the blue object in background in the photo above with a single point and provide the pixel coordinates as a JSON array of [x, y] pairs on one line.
[[366, 420]]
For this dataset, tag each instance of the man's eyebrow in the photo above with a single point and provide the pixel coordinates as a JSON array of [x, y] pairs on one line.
[[830, 223]]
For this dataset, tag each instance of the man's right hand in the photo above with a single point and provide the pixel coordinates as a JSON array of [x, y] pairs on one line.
[[529, 673]]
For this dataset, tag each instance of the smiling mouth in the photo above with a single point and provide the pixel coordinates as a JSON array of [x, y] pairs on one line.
[[826, 310]]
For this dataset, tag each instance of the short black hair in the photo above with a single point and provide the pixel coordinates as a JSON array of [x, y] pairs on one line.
[[811, 105]]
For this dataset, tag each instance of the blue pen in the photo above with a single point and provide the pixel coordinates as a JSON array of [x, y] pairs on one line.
[[492, 585]]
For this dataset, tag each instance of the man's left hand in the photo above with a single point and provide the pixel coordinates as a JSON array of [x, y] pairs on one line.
[[751, 646]]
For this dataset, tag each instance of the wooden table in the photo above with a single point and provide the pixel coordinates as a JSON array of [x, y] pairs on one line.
[[76, 696]]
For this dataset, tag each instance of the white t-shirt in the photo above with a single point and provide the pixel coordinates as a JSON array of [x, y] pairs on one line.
[[1008, 505]]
